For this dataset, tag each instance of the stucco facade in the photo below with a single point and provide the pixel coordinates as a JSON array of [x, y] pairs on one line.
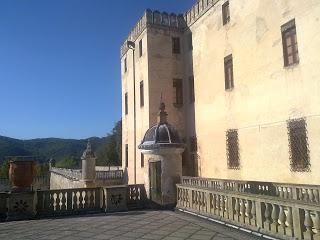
[[264, 97]]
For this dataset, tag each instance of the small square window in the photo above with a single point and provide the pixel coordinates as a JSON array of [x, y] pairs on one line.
[[290, 44], [141, 94], [228, 72], [140, 48], [125, 65], [178, 92], [126, 103], [225, 13], [175, 45], [142, 160]]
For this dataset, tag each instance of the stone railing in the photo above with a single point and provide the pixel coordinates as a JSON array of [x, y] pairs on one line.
[[73, 174], [272, 215], [304, 193], [113, 174], [16, 206]]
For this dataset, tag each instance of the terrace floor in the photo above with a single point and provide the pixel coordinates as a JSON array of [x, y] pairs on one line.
[[133, 225]]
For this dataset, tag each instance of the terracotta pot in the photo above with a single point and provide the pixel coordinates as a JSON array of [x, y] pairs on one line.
[[21, 174]]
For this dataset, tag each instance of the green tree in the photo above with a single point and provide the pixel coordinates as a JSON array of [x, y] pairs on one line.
[[68, 162], [4, 169]]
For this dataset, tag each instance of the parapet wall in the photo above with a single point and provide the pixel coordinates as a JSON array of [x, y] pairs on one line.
[[154, 18], [173, 21]]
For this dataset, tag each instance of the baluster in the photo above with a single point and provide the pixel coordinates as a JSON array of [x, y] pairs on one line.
[[86, 199], [248, 212], [281, 192], [58, 201], [214, 205], [242, 211], [308, 224], [300, 194], [91, 199], [310, 195], [253, 214], [80, 199], [282, 219], [53, 202], [75, 201], [317, 225], [316, 195], [289, 230], [274, 216], [237, 209], [267, 216], [218, 205], [63, 201], [222, 206]]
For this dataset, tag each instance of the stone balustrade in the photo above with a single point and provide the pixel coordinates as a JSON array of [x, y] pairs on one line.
[[73, 174], [281, 217], [48, 203], [112, 174], [304, 193]]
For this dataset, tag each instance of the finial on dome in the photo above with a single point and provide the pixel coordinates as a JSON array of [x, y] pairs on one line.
[[162, 115]]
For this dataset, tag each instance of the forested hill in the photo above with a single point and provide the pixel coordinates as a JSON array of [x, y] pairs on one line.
[[46, 148]]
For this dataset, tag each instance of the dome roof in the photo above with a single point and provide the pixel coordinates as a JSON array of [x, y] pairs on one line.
[[161, 135]]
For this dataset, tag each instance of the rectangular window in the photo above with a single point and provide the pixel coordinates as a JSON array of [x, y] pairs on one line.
[[126, 103], [142, 160], [141, 94], [140, 48], [175, 45], [290, 45], [125, 65], [193, 144], [127, 156], [178, 92], [225, 13], [191, 89], [298, 145], [228, 72], [233, 149], [190, 45]]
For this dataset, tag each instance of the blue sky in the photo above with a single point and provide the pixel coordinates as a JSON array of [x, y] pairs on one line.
[[60, 66]]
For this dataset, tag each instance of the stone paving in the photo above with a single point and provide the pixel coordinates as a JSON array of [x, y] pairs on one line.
[[133, 225]]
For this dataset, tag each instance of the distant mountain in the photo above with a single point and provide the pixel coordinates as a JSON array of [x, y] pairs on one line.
[[46, 148]]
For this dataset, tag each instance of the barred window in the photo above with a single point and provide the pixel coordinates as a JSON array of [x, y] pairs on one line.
[[191, 89], [228, 72], [298, 145], [142, 160], [126, 103], [127, 156], [233, 149], [225, 13], [289, 42], [175, 45], [178, 92]]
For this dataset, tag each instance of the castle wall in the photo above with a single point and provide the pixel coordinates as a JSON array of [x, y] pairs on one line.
[[266, 94]]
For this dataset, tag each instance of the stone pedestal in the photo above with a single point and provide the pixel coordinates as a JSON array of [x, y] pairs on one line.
[[21, 206]]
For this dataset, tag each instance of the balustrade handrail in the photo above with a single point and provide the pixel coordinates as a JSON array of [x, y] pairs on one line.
[[281, 218], [300, 192]]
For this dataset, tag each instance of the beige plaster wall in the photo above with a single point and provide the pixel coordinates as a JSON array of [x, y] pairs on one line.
[[266, 94], [60, 182]]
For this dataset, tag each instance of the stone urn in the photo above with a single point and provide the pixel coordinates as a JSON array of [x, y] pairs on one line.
[[21, 174]]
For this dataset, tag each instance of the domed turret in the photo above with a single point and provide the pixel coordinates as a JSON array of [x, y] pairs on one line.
[[161, 135]]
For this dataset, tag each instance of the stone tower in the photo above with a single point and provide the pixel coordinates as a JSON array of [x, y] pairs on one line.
[[88, 166]]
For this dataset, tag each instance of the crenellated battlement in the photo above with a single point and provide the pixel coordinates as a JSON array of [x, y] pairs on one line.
[[173, 21], [154, 18]]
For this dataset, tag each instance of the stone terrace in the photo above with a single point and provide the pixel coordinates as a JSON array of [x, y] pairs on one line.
[[132, 225]]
